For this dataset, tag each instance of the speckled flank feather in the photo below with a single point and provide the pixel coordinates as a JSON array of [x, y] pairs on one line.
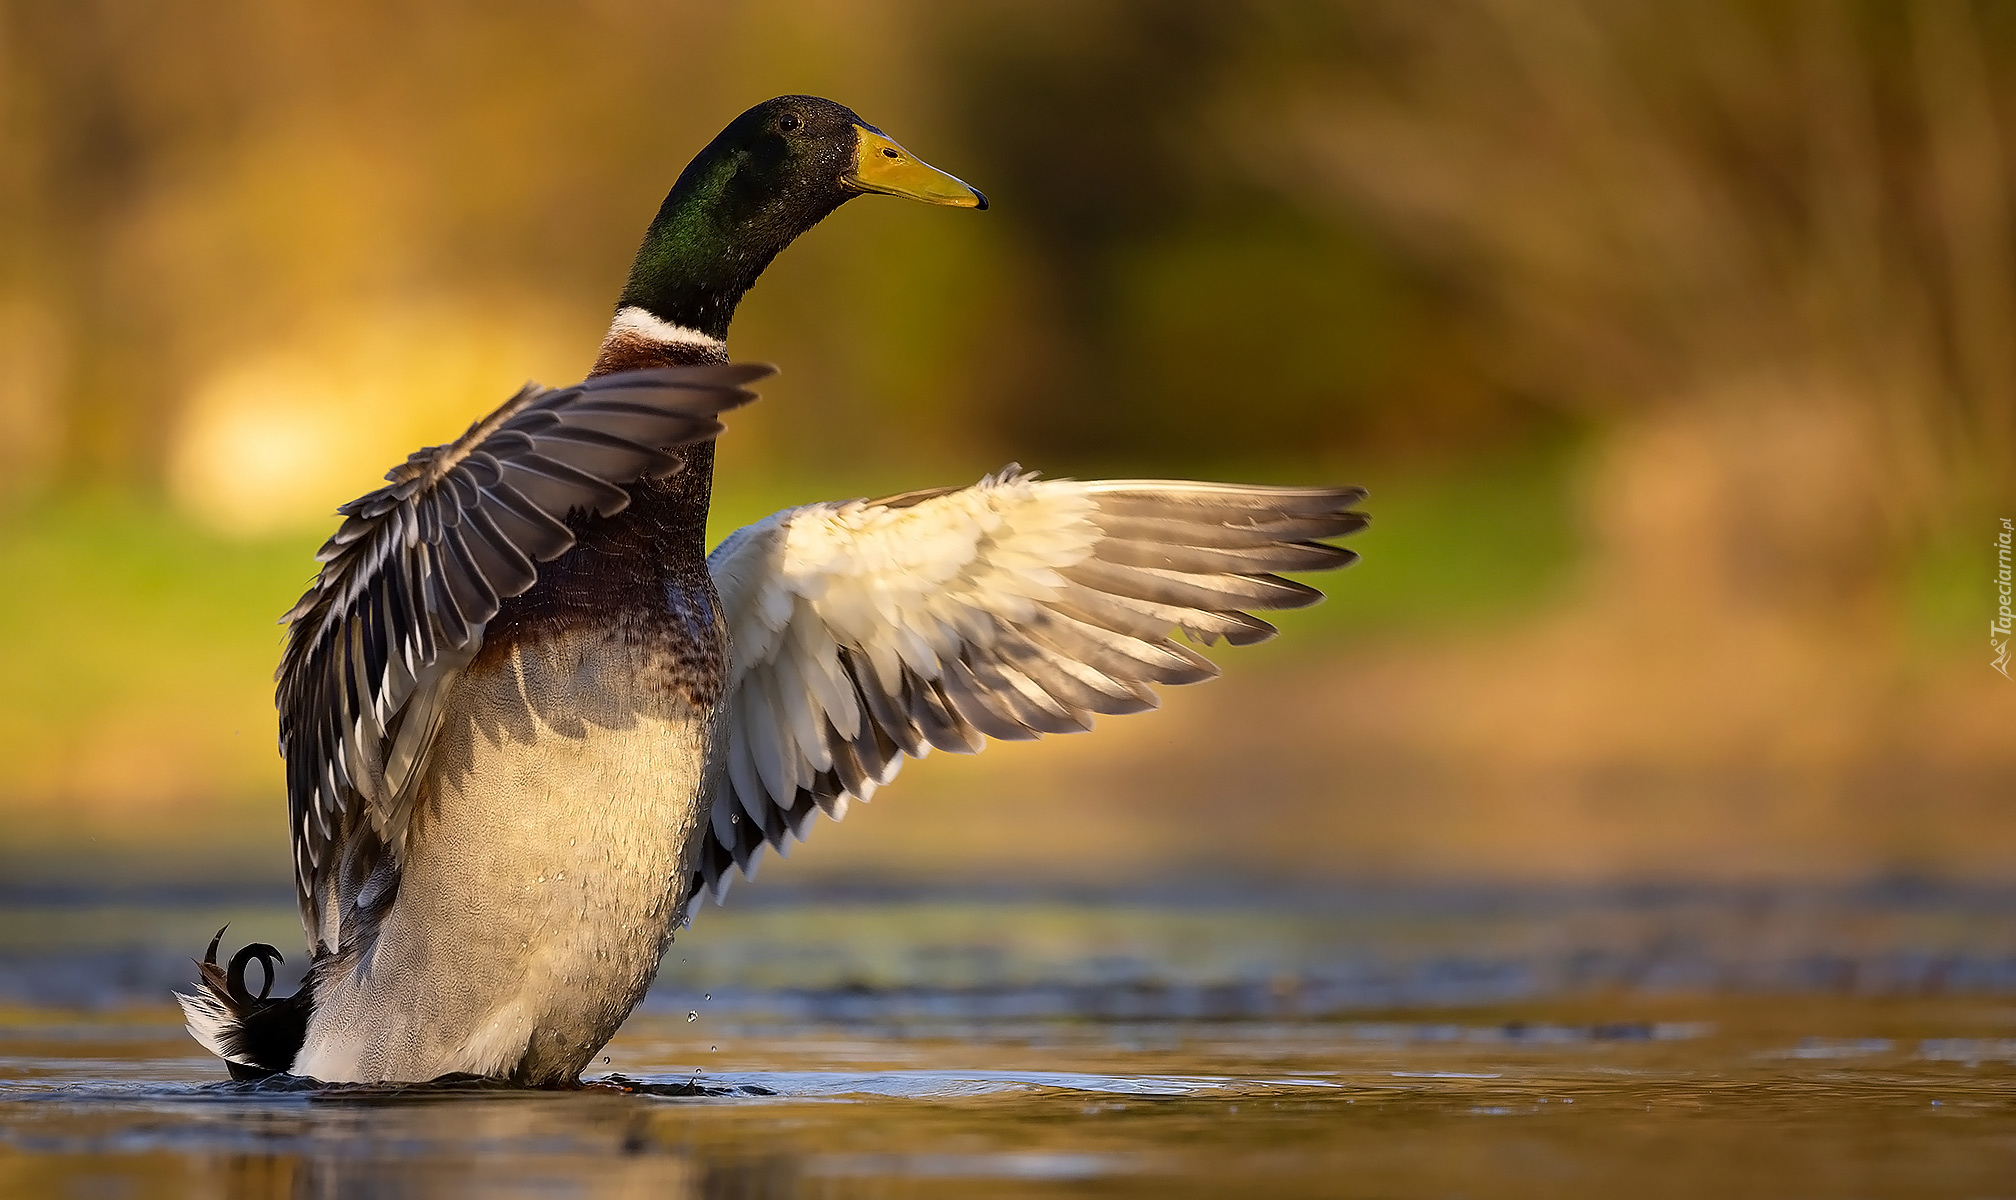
[[868, 631], [562, 798]]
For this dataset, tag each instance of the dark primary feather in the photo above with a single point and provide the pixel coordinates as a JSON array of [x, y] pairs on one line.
[[420, 565], [1170, 556]]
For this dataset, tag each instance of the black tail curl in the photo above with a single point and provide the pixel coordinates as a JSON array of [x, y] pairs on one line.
[[256, 1036]]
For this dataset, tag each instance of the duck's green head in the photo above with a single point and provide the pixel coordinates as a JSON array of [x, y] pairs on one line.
[[775, 172]]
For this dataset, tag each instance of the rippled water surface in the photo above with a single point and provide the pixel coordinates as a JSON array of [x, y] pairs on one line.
[[1854, 1044]]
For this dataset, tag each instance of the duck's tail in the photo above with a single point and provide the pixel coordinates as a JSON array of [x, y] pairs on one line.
[[254, 1035]]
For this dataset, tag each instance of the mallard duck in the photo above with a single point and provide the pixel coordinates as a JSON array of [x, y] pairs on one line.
[[528, 721]]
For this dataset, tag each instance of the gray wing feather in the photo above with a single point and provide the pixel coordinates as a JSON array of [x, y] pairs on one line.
[[419, 566]]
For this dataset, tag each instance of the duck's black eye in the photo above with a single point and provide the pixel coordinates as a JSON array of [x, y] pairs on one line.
[[789, 122]]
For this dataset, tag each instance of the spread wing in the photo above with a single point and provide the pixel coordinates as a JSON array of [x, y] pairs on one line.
[[416, 570], [874, 629]]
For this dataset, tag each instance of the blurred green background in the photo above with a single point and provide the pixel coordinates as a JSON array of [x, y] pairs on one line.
[[1677, 343]]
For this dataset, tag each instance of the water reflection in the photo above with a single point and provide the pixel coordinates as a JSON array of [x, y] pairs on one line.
[[807, 1074]]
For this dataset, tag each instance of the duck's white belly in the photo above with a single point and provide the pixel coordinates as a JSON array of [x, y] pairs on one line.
[[546, 867]]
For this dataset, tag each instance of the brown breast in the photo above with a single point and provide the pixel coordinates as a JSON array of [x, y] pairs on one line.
[[639, 576]]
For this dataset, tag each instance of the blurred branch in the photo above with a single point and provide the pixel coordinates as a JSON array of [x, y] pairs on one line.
[[1659, 202], [1972, 209]]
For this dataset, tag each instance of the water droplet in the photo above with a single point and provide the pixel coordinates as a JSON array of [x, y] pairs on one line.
[[691, 1017], [713, 1047], [734, 818], [708, 996], [605, 1060]]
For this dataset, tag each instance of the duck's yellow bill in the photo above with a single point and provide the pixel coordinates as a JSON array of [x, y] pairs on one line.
[[883, 167]]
